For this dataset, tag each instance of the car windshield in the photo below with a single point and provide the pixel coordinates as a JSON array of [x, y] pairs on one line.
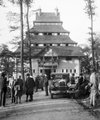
[[59, 76]]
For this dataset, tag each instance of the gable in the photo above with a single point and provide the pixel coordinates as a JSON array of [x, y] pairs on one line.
[[50, 52]]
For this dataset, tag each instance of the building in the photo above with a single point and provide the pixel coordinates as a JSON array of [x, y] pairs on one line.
[[52, 49]]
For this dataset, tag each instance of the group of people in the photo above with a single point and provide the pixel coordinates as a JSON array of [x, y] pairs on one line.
[[19, 87], [32, 85], [88, 86]]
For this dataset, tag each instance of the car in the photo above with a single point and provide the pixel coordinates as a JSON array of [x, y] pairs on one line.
[[58, 84]]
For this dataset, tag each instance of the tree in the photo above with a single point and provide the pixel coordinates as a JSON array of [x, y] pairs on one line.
[[7, 62], [28, 2], [20, 2], [97, 50], [1, 2], [86, 61], [90, 7]]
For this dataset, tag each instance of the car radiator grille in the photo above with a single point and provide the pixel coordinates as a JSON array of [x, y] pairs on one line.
[[62, 84]]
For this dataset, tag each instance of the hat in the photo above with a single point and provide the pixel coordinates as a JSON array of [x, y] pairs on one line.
[[28, 74], [3, 74]]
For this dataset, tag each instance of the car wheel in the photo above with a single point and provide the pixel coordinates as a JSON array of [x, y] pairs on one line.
[[51, 96]]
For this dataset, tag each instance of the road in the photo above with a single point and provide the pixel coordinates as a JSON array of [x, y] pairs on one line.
[[45, 108]]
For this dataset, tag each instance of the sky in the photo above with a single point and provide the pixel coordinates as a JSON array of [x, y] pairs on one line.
[[72, 14]]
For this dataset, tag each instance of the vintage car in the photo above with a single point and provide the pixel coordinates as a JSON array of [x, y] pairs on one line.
[[58, 84]]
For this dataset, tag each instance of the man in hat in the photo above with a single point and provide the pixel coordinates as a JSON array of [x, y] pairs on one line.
[[29, 84], [3, 89], [18, 89], [46, 84]]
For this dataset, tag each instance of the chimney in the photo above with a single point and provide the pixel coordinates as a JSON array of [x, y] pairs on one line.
[[39, 13]]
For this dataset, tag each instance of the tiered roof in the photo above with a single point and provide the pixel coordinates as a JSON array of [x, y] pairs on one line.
[[50, 23], [47, 39], [48, 28], [69, 51], [47, 17]]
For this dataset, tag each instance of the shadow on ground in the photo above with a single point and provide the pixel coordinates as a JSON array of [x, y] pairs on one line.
[[95, 111]]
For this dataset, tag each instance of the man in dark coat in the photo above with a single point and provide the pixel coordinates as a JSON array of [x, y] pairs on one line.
[[18, 89], [46, 83], [80, 83], [37, 83], [29, 84], [13, 91], [3, 89], [73, 79]]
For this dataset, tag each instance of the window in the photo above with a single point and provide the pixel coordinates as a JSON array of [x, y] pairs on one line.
[[54, 70], [49, 33], [36, 44], [62, 70], [54, 44], [33, 70], [40, 33], [70, 70], [66, 70], [32, 44], [44, 44], [40, 70], [50, 44], [40, 45], [74, 70]]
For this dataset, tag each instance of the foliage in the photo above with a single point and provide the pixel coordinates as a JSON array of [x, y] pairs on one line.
[[90, 7], [1, 2], [86, 61], [6, 60]]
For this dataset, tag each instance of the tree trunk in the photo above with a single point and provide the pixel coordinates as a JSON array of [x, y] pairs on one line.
[[92, 39], [21, 22], [28, 35]]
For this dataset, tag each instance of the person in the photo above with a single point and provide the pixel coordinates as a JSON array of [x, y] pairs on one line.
[[29, 84], [3, 89], [94, 87], [41, 82], [18, 89], [79, 84], [13, 91], [83, 86], [46, 84], [72, 80], [37, 79]]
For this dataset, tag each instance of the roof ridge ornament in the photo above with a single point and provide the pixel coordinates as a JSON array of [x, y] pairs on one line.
[[56, 11], [39, 13]]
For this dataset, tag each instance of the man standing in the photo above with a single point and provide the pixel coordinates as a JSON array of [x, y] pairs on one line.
[[29, 84], [94, 88], [18, 89], [37, 79], [46, 84], [3, 89], [72, 79]]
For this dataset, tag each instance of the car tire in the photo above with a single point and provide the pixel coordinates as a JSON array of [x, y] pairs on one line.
[[51, 96]]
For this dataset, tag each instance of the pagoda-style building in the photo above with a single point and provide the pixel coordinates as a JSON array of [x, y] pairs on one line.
[[52, 49]]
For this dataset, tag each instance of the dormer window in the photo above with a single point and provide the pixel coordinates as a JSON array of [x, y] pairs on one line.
[[36, 44], [50, 44], [49, 33], [35, 33], [44, 44], [45, 33], [40, 33]]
